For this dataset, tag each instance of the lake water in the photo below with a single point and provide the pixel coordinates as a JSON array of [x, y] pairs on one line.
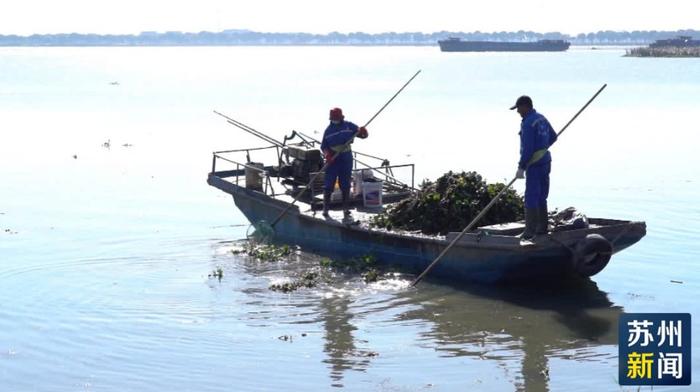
[[105, 252]]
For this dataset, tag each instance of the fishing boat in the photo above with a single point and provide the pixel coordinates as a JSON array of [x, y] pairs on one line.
[[488, 254], [453, 44]]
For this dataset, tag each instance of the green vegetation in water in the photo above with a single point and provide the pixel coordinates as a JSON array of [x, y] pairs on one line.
[[217, 273], [264, 252], [354, 265], [450, 204], [667, 51], [325, 262], [308, 280], [365, 266], [371, 275]]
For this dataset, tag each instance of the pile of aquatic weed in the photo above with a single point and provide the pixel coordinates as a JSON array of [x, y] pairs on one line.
[[450, 204]]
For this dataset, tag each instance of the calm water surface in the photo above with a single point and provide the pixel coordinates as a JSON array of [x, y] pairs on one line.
[[105, 249]]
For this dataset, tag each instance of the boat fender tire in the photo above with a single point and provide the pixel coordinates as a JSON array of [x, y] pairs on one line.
[[592, 255]]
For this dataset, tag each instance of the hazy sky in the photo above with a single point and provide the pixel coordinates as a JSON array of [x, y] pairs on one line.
[[133, 16]]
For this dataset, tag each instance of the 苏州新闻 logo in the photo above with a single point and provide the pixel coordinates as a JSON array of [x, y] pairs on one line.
[[654, 349]]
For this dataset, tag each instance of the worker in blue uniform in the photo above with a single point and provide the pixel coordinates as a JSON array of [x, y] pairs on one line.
[[336, 149], [536, 136]]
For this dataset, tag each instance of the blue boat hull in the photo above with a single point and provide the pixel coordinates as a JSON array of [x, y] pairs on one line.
[[484, 260]]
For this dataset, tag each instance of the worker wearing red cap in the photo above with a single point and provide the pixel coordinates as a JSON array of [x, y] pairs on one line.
[[336, 149]]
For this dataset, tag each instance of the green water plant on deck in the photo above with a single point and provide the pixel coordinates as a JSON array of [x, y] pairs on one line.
[[450, 203]]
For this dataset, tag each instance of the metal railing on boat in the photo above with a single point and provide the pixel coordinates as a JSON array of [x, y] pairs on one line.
[[385, 170]]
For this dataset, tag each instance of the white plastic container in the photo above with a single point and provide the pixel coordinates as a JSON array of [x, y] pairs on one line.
[[360, 176], [253, 177], [372, 194], [336, 195]]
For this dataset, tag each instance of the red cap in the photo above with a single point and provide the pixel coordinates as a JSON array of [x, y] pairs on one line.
[[336, 114]]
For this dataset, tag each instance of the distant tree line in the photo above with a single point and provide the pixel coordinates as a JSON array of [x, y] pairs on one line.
[[246, 37]]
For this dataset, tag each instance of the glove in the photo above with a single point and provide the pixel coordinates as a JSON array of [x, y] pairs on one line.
[[520, 173], [328, 156], [362, 133]]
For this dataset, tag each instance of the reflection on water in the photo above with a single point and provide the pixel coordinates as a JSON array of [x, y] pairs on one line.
[[501, 325], [339, 343], [535, 321]]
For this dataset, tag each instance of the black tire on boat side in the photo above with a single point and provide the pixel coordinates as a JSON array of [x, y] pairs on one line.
[[592, 255]]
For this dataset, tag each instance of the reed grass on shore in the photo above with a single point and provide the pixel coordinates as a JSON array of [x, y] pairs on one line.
[[670, 51]]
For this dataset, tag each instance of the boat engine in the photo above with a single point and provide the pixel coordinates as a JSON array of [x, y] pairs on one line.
[[304, 162]]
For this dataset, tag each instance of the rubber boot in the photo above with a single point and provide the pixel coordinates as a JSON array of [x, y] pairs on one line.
[[326, 202], [531, 215], [345, 198], [542, 221]]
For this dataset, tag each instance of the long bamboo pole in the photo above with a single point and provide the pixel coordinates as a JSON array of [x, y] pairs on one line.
[[492, 202]]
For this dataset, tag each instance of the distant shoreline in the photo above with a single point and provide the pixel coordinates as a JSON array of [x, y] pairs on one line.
[[596, 46], [252, 38]]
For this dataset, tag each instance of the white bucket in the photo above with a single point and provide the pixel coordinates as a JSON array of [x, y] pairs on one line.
[[337, 195], [372, 194], [360, 176], [254, 178]]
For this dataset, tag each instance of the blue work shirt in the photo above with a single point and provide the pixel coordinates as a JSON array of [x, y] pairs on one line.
[[535, 134], [336, 135]]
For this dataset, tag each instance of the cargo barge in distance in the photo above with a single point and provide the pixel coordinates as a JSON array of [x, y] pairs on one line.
[[545, 45]]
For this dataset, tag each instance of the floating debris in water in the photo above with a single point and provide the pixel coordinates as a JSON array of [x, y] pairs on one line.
[[107, 144], [357, 265], [264, 252], [365, 266], [217, 273], [308, 280], [372, 275], [677, 281]]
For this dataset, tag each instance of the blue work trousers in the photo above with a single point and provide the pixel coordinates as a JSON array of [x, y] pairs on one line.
[[340, 169], [537, 185]]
